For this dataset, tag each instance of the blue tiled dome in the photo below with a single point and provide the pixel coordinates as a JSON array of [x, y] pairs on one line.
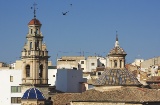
[[33, 93]]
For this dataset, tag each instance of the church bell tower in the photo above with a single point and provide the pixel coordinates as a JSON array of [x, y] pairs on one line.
[[116, 56], [34, 56]]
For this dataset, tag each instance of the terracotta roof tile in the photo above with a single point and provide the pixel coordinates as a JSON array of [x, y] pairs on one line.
[[125, 94], [34, 22]]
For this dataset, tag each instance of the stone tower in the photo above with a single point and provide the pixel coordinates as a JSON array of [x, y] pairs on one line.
[[116, 57], [34, 58]]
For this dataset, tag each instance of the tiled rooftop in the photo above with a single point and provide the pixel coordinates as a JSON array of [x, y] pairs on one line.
[[125, 94], [117, 77], [117, 50], [33, 93]]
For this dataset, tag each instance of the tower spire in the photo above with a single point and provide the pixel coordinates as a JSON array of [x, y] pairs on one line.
[[116, 43], [34, 7], [116, 36]]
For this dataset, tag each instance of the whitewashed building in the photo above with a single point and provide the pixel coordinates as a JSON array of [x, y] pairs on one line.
[[52, 71], [10, 89], [137, 62], [70, 81], [92, 63], [88, 64], [10, 85]]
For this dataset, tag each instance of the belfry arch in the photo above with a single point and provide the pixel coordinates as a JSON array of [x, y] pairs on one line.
[[41, 71], [27, 70]]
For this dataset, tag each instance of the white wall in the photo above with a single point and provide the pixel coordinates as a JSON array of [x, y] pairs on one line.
[[83, 65], [5, 89], [89, 65], [68, 80], [137, 62], [52, 76], [101, 60], [5, 84]]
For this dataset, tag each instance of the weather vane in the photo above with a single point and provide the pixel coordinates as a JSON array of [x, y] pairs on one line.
[[34, 7]]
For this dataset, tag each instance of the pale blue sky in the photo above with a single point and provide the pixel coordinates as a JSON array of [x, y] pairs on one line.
[[89, 26]]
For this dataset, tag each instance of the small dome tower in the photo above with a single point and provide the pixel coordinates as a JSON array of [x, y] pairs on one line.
[[116, 56]]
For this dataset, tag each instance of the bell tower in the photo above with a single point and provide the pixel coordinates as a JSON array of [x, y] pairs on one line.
[[116, 56], [34, 55]]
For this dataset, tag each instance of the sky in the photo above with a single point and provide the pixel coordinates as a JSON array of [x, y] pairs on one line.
[[89, 28]]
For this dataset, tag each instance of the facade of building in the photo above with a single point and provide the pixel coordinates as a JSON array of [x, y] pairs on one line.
[[52, 75], [70, 81], [88, 64], [10, 89], [92, 63], [69, 62], [10, 82], [150, 62], [137, 62]]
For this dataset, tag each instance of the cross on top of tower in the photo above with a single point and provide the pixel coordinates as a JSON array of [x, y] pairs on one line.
[[116, 36], [34, 7]]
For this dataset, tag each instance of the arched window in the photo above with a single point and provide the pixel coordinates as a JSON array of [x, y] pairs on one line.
[[37, 31], [28, 71], [110, 63], [120, 63], [30, 45], [40, 71], [115, 63], [31, 31], [37, 44]]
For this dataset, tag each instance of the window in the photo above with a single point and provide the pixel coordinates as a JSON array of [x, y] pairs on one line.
[[120, 63], [41, 71], [82, 62], [99, 73], [31, 31], [37, 44], [37, 31], [27, 71], [15, 99], [15, 89], [115, 63], [11, 78], [92, 64], [30, 45]]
